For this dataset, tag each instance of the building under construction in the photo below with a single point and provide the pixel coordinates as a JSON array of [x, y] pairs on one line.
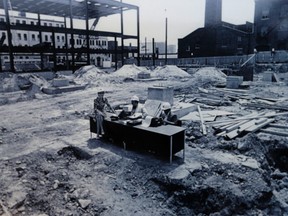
[[41, 34]]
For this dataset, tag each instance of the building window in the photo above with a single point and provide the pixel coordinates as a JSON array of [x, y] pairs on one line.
[[284, 11], [17, 21], [57, 25], [63, 39], [23, 21], [32, 23], [265, 14], [45, 24], [2, 19], [58, 38], [25, 37], [33, 37], [103, 43], [19, 36], [46, 38]]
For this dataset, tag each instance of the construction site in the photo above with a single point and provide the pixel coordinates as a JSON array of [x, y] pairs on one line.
[[229, 156]]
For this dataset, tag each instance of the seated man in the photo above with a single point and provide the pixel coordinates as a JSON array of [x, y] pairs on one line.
[[136, 109], [167, 116], [99, 104]]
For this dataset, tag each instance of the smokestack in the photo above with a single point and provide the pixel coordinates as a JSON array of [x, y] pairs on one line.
[[213, 13]]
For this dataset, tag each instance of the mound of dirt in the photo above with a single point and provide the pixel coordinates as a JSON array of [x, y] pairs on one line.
[[209, 75], [88, 73], [129, 71], [169, 71]]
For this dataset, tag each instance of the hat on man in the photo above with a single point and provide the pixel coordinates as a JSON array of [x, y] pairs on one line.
[[165, 106], [135, 98], [101, 91]]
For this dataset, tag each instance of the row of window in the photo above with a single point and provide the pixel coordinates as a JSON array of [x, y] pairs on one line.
[[31, 22], [59, 38]]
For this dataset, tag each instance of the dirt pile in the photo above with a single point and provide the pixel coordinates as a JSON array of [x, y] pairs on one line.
[[129, 71], [169, 71], [209, 75], [88, 74]]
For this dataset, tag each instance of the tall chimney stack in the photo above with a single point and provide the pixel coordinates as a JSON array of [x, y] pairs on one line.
[[213, 13]]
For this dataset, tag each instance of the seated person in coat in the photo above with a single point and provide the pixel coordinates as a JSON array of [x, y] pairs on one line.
[[134, 109], [167, 116], [99, 104]]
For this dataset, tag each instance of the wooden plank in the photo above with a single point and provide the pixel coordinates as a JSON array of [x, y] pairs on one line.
[[272, 114], [246, 125], [278, 126], [257, 127], [202, 121], [236, 126], [279, 133]]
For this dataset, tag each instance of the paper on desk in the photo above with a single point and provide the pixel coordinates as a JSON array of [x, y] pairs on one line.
[[147, 121]]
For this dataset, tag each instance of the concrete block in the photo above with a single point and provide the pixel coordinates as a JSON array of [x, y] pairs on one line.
[[59, 90], [267, 76], [234, 82], [60, 82], [161, 93]]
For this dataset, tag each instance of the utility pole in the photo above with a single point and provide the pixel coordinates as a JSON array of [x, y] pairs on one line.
[[166, 30]]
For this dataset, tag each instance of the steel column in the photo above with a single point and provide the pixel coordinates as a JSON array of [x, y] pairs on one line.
[[54, 50], [40, 42], [9, 34], [87, 34], [138, 37], [72, 38], [122, 39]]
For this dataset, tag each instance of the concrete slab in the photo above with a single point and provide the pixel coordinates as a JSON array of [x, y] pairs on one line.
[[181, 109], [59, 90], [60, 82]]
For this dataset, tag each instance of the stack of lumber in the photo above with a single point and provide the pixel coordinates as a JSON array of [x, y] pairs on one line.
[[232, 128]]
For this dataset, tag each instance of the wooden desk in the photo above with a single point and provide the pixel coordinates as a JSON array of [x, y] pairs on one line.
[[165, 140]]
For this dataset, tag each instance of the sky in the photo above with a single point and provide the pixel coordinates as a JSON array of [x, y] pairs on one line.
[[183, 17]]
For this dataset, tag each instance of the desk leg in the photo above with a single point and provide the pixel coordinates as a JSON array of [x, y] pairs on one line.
[[171, 146], [184, 149]]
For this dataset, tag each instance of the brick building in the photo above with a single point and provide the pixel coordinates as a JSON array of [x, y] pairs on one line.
[[271, 25], [216, 38]]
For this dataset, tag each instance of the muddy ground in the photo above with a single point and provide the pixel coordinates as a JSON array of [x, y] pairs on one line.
[[51, 166]]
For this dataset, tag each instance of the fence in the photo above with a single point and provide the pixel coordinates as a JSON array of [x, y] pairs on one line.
[[280, 56]]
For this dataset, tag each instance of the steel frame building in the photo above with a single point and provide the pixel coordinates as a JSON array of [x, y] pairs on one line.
[[72, 9]]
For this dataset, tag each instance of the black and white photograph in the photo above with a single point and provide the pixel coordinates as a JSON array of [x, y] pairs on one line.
[[143, 107]]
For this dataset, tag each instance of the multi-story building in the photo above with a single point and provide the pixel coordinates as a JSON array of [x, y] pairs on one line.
[[217, 38], [271, 25], [22, 38]]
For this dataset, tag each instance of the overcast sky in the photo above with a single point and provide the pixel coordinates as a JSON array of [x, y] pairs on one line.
[[184, 16]]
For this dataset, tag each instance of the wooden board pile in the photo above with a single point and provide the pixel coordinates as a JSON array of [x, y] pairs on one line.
[[232, 128]]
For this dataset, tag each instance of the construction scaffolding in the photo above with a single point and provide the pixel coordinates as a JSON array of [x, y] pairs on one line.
[[86, 10]]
